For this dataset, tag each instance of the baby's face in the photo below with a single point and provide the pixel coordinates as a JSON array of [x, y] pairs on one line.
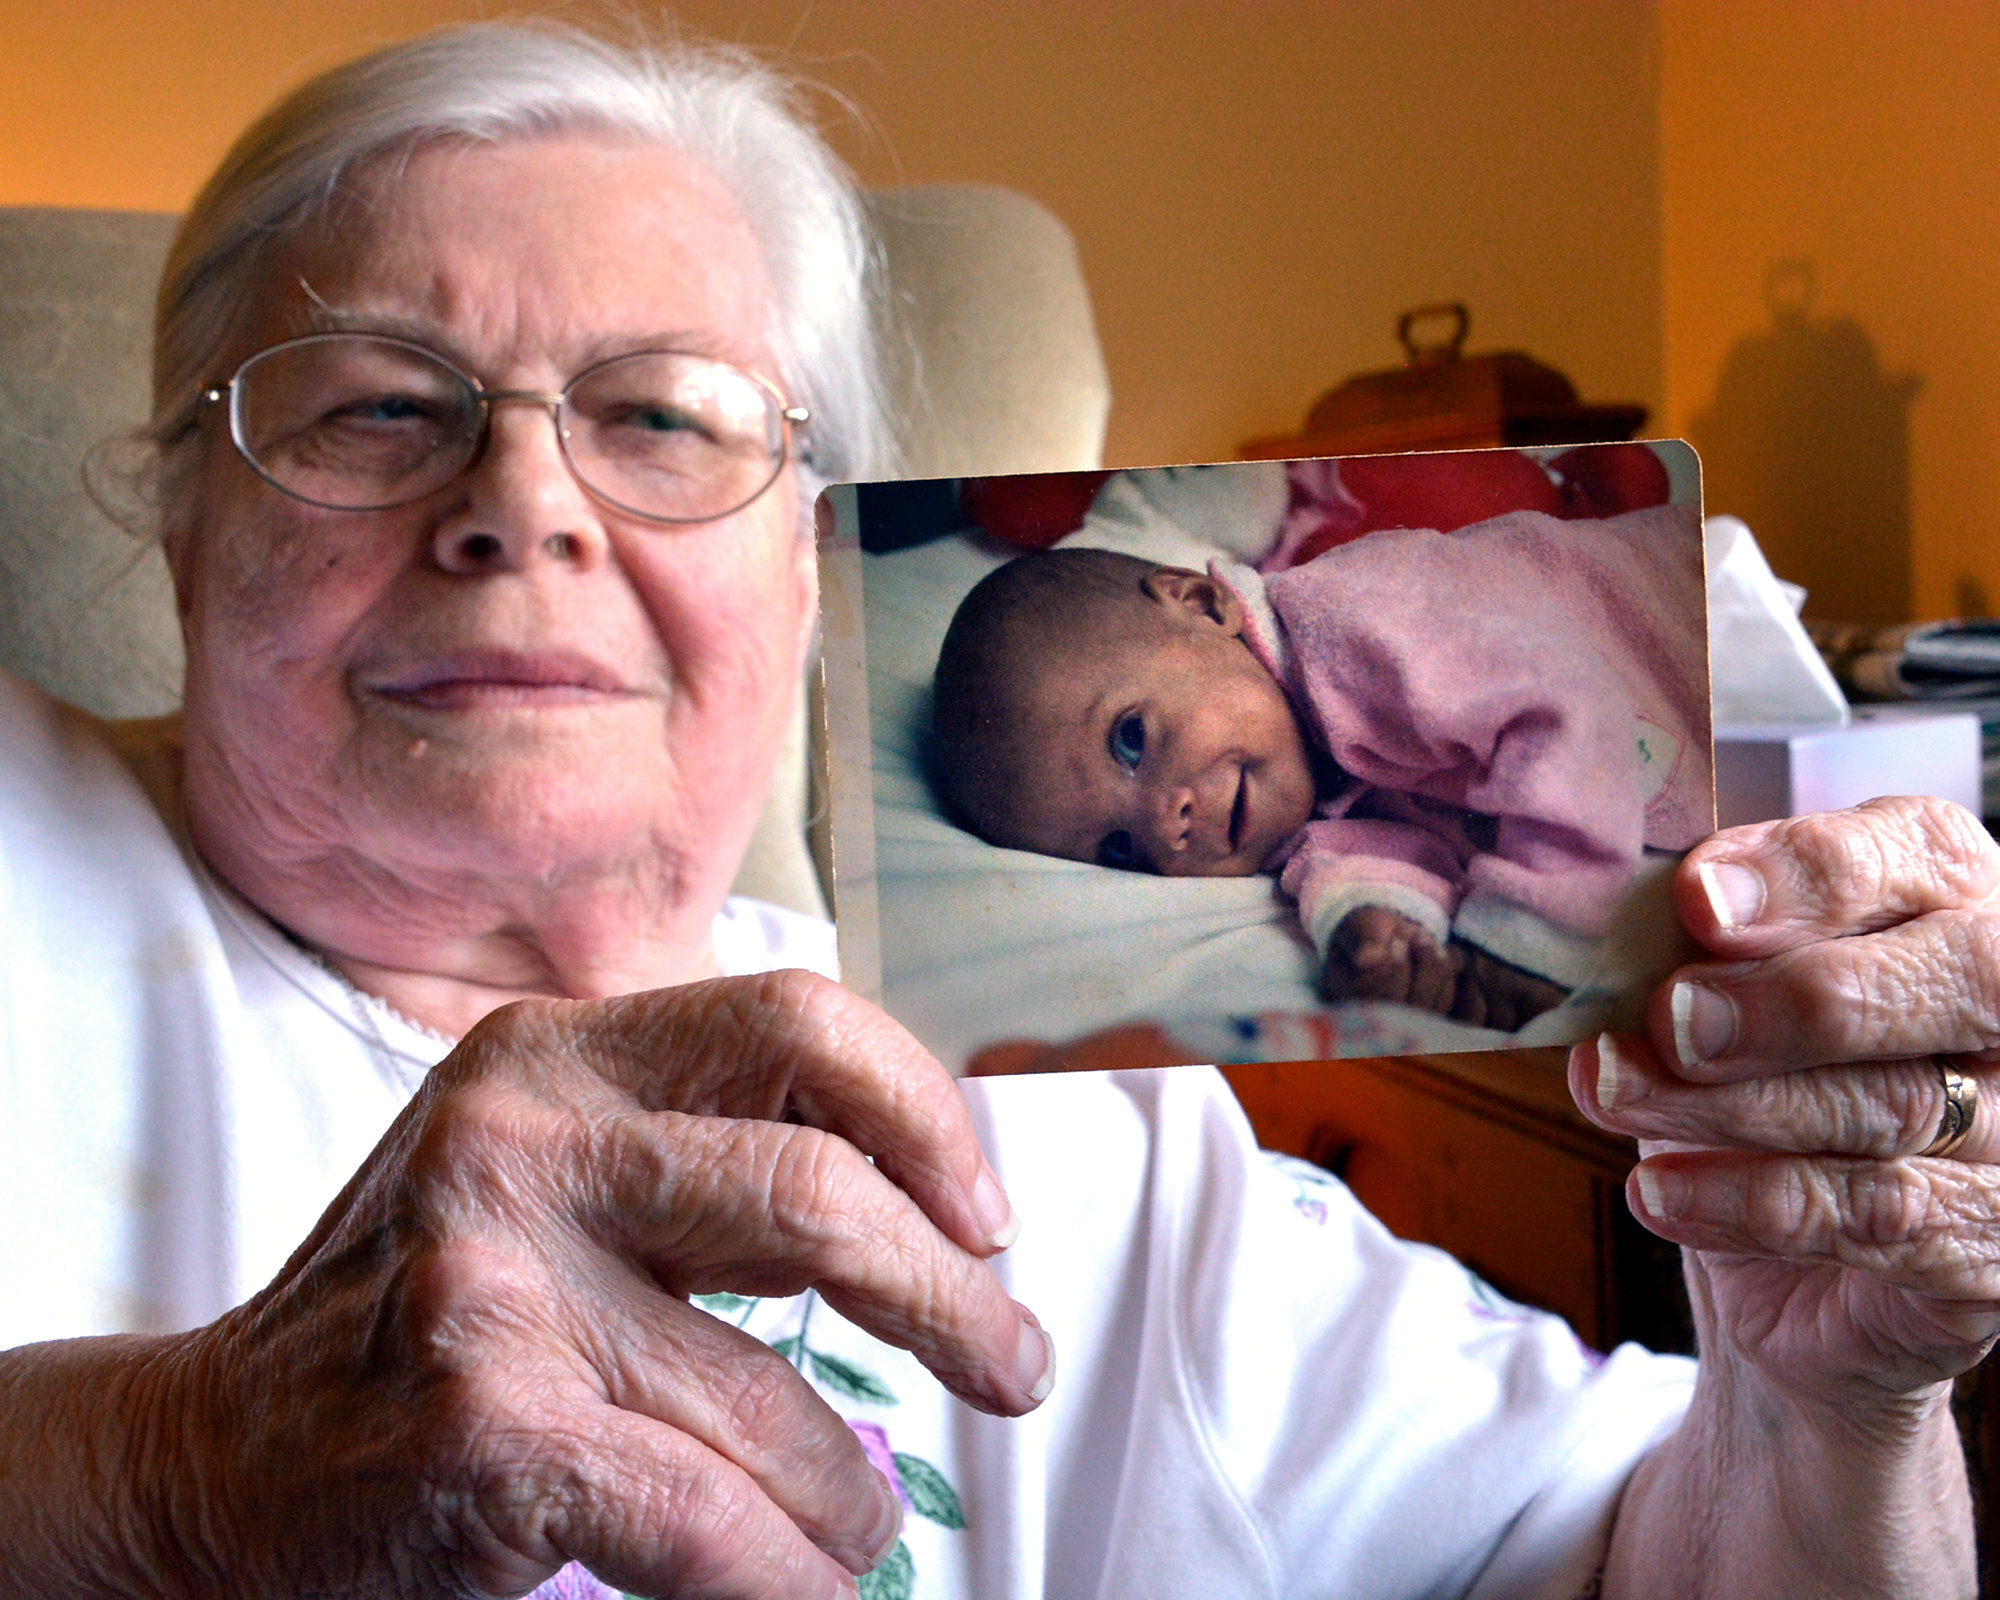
[[1160, 746]]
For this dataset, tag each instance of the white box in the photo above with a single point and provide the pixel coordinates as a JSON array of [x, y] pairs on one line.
[[1787, 769]]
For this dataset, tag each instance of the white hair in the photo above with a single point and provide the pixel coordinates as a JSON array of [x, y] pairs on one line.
[[487, 82]]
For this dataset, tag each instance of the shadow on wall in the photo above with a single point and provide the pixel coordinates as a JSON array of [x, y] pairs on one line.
[[1807, 440]]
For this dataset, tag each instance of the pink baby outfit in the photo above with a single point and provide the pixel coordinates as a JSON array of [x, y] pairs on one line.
[[1517, 710]]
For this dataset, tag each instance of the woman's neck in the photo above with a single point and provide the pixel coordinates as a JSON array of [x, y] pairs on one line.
[[445, 949], [451, 1005]]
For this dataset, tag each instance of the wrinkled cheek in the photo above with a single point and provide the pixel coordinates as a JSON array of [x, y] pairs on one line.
[[734, 628], [732, 701], [271, 606], [728, 721], [728, 606], [270, 588]]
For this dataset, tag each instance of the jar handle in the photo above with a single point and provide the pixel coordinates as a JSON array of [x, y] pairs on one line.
[[1447, 349]]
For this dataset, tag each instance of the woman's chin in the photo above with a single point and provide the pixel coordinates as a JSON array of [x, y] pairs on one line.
[[468, 739], [523, 792]]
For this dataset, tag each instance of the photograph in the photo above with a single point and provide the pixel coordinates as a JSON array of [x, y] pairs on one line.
[[1266, 760]]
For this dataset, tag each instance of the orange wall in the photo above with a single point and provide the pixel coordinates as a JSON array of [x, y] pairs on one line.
[[130, 102], [1859, 430], [1774, 219], [1256, 189]]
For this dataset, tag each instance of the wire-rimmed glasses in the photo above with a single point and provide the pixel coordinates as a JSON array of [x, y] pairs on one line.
[[368, 422]]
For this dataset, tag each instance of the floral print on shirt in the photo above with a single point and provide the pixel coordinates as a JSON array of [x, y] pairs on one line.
[[921, 1487]]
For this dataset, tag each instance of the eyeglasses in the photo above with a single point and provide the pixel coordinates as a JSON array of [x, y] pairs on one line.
[[365, 422]]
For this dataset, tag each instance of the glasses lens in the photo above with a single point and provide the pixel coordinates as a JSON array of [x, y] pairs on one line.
[[674, 438], [353, 421]]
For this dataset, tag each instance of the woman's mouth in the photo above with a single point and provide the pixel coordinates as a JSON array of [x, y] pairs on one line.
[[497, 680]]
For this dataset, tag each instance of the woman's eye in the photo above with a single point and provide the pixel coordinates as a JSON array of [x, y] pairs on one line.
[[1116, 850], [395, 408], [658, 419], [377, 410], [1128, 740]]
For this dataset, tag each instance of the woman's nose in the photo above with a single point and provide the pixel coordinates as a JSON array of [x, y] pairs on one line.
[[520, 503]]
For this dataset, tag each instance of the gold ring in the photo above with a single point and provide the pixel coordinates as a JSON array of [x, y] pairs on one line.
[[1961, 1105]]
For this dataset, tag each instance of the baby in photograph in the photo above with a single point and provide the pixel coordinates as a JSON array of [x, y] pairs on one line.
[[1452, 749]]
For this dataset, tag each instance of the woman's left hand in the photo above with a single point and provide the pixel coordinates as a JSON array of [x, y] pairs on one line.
[[1785, 1097]]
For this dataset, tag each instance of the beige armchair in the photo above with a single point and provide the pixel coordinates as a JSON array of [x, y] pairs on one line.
[[991, 348]]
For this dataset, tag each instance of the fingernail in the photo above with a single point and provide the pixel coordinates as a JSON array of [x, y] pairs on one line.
[[1619, 1080], [1735, 892], [1704, 1023], [1034, 1359], [888, 1521], [1664, 1194], [990, 1208]]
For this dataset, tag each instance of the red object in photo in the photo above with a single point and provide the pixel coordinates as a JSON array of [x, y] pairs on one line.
[[1606, 480], [1453, 490], [1031, 512], [1447, 491], [1443, 491]]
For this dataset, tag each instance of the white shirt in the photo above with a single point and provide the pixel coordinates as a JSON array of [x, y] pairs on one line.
[[1260, 1392]]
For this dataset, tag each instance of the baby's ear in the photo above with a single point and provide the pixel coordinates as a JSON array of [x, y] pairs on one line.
[[1196, 594]]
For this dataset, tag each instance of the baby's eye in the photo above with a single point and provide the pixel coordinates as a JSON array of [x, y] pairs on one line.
[[1116, 850], [1128, 740]]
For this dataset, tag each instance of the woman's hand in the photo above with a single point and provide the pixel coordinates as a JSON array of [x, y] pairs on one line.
[[483, 1363], [1784, 1098]]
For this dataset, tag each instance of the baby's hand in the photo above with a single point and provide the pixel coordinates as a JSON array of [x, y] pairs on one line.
[[1379, 954], [1493, 994]]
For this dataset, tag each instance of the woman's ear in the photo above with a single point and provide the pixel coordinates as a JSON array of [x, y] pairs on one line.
[[1196, 595]]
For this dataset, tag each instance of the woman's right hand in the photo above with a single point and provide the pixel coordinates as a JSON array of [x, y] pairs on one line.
[[483, 1364]]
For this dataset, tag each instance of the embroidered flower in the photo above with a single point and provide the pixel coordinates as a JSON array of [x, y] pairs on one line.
[[1489, 1304], [875, 1445], [573, 1583], [1309, 1183], [919, 1485]]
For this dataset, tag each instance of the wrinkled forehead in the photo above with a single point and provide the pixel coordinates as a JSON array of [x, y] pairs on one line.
[[541, 252]]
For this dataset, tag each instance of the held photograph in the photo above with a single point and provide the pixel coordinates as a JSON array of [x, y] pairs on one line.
[[1266, 761]]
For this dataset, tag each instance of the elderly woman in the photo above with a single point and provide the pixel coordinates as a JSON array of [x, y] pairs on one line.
[[492, 374]]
